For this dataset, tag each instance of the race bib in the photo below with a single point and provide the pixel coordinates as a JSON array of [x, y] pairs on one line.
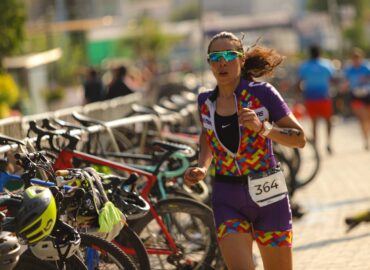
[[269, 189]]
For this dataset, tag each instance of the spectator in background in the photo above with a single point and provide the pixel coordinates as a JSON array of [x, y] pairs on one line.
[[315, 76], [93, 87], [118, 86], [358, 83]]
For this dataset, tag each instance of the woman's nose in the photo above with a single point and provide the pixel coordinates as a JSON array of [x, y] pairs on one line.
[[222, 61]]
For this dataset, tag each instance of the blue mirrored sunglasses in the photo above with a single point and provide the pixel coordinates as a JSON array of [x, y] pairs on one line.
[[227, 55]]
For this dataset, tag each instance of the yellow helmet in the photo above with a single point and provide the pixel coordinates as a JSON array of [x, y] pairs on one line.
[[37, 214]]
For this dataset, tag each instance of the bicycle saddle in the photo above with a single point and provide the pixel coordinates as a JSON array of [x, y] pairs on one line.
[[179, 100], [142, 109], [161, 110], [168, 104], [189, 96], [85, 120], [67, 125]]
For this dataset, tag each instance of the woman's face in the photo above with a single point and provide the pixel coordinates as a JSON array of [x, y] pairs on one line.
[[225, 72]]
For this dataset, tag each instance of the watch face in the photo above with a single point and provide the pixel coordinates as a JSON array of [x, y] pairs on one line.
[[267, 128]]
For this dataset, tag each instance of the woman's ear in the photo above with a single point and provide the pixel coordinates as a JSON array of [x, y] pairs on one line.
[[242, 61]]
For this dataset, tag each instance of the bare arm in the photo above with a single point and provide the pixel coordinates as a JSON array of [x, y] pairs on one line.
[[287, 131], [205, 154], [196, 174]]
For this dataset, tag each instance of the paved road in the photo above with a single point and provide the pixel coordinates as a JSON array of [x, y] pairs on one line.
[[341, 189]]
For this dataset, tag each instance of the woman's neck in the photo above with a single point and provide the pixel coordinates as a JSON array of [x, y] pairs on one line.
[[227, 90]]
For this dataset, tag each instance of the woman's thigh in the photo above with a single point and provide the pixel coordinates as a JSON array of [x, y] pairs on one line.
[[236, 249]]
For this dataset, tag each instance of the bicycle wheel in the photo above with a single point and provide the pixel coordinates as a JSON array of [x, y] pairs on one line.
[[288, 171], [190, 224], [291, 154], [29, 261], [310, 164], [130, 242], [101, 254]]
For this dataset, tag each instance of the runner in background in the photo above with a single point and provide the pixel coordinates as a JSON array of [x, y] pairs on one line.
[[314, 78], [358, 83]]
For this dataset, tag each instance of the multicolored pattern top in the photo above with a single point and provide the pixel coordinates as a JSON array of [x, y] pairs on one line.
[[254, 152]]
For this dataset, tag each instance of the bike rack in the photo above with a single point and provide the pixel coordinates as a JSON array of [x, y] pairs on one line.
[[97, 128]]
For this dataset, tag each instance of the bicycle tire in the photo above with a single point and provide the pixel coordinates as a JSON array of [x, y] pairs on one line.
[[288, 171], [127, 238], [310, 164], [108, 252], [190, 214], [293, 155]]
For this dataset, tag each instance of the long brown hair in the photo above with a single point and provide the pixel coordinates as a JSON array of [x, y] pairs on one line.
[[259, 61]]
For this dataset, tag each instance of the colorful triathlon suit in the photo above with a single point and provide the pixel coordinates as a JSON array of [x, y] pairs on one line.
[[234, 209], [359, 82], [316, 75]]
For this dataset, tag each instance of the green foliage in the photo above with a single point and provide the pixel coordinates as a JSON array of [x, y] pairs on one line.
[[320, 5], [37, 42], [148, 41], [355, 35], [68, 66], [317, 5], [12, 21], [189, 11], [53, 95]]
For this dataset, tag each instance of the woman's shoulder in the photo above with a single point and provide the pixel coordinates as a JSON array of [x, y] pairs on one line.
[[265, 91], [261, 86], [202, 97]]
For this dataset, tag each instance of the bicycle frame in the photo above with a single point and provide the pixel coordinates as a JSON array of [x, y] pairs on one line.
[[65, 161]]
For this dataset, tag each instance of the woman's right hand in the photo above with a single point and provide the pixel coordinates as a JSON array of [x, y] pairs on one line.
[[194, 174]]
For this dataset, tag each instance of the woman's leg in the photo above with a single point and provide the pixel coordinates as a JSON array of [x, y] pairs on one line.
[[276, 258], [328, 138], [236, 249], [367, 127], [362, 115]]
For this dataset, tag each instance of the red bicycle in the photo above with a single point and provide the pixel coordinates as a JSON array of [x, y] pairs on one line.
[[178, 232]]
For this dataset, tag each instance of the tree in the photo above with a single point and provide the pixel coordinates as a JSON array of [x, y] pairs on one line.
[[355, 34], [12, 22], [148, 41]]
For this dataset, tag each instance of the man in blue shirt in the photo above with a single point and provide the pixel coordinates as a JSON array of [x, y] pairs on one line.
[[315, 76], [358, 83]]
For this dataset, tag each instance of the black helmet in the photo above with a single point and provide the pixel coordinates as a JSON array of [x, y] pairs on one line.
[[130, 203]]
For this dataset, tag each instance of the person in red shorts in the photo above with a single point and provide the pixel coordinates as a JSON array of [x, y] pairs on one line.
[[357, 75], [315, 76]]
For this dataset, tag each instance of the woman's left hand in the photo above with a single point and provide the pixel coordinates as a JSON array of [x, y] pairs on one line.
[[249, 119]]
